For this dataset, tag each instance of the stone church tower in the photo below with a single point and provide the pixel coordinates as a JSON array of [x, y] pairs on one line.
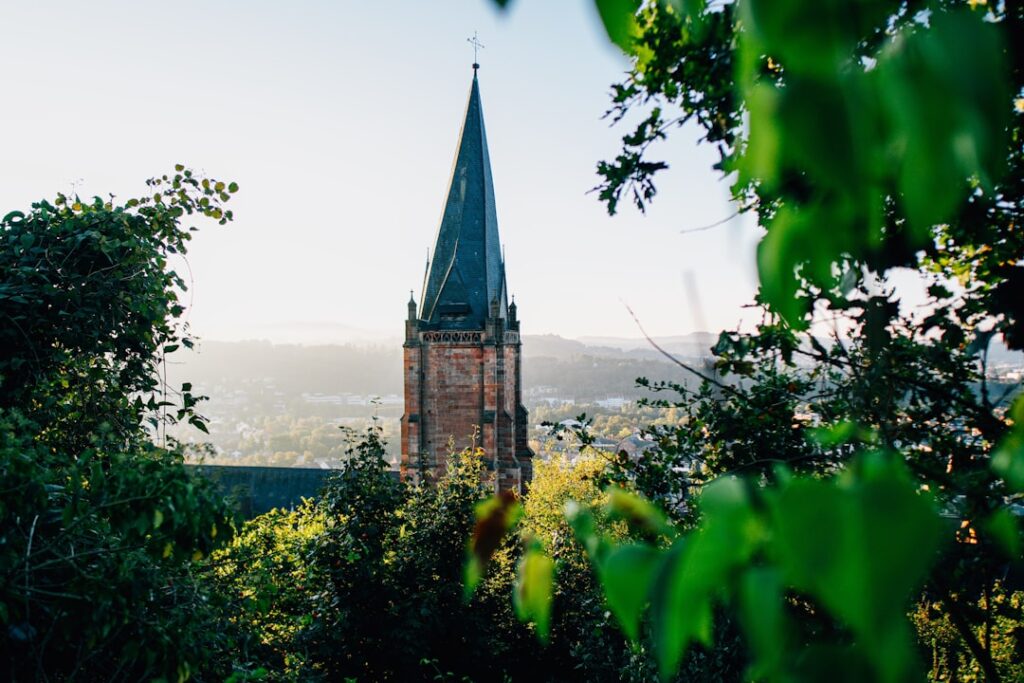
[[462, 352]]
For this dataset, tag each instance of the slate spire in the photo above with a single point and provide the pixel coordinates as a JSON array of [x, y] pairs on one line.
[[467, 272]]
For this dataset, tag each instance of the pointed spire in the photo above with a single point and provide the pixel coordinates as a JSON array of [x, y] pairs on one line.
[[467, 271], [412, 306]]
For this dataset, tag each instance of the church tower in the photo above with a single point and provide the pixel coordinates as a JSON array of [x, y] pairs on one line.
[[463, 380]]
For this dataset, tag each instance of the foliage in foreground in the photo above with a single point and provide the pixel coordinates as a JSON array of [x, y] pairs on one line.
[[875, 453], [100, 530], [360, 583]]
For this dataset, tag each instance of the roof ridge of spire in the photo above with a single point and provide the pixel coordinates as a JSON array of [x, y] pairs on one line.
[[467, 242]]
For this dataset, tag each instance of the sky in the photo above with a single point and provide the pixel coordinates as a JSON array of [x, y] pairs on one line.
[[339, 121]]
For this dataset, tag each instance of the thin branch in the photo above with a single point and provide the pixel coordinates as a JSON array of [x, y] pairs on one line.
[[1009, 390], [684, 366], [709, 226], [28, 573]]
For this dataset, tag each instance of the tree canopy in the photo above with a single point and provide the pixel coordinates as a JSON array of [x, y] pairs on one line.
[[100, 528]]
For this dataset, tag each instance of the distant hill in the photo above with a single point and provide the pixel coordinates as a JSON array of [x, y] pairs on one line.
[[583, 369], [552, 346], [696, 345], [564, 367], [292, 368], [693, 345]]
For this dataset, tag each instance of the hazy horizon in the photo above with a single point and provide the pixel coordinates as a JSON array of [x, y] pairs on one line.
[[314, 333]]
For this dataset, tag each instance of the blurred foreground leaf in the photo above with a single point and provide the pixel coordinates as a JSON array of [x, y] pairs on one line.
[[534, 590]]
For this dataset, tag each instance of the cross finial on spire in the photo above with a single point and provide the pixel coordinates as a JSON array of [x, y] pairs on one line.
[[477, 45]]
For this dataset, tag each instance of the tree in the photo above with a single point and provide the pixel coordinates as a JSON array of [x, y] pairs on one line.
[[99, 528], [865, 136], [364, 582], [854, 111]]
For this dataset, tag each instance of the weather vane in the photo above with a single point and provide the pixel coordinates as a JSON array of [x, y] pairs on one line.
[[475, 42]]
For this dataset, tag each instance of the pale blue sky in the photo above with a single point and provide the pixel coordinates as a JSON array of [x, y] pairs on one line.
[[339, 121]]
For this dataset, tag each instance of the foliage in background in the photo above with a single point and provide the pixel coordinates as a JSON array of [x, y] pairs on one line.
[[99, 528], [365, 582], [582, 633]]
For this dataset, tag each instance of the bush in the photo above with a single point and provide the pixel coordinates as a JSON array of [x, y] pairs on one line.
[[100, 530]]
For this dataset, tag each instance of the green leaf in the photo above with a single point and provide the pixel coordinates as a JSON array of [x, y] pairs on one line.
[[696, 569], [946, 89], [825, 129], [777, 262], [859, 545], [833, 435], [764, 622], [199, 424], [1008, 459], [619, 20], [729, 533], [534, 589], [584, 528], [1003, 527], [804, 35], [626, 575], [680, 610], [760, 160]]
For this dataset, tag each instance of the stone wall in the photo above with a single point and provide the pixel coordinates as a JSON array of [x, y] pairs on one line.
[[462, 390]]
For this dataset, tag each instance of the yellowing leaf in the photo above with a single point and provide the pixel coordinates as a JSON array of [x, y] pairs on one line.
[[494, 518], [638, 512]]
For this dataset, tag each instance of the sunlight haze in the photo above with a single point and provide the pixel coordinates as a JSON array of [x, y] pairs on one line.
[[339, 121]]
